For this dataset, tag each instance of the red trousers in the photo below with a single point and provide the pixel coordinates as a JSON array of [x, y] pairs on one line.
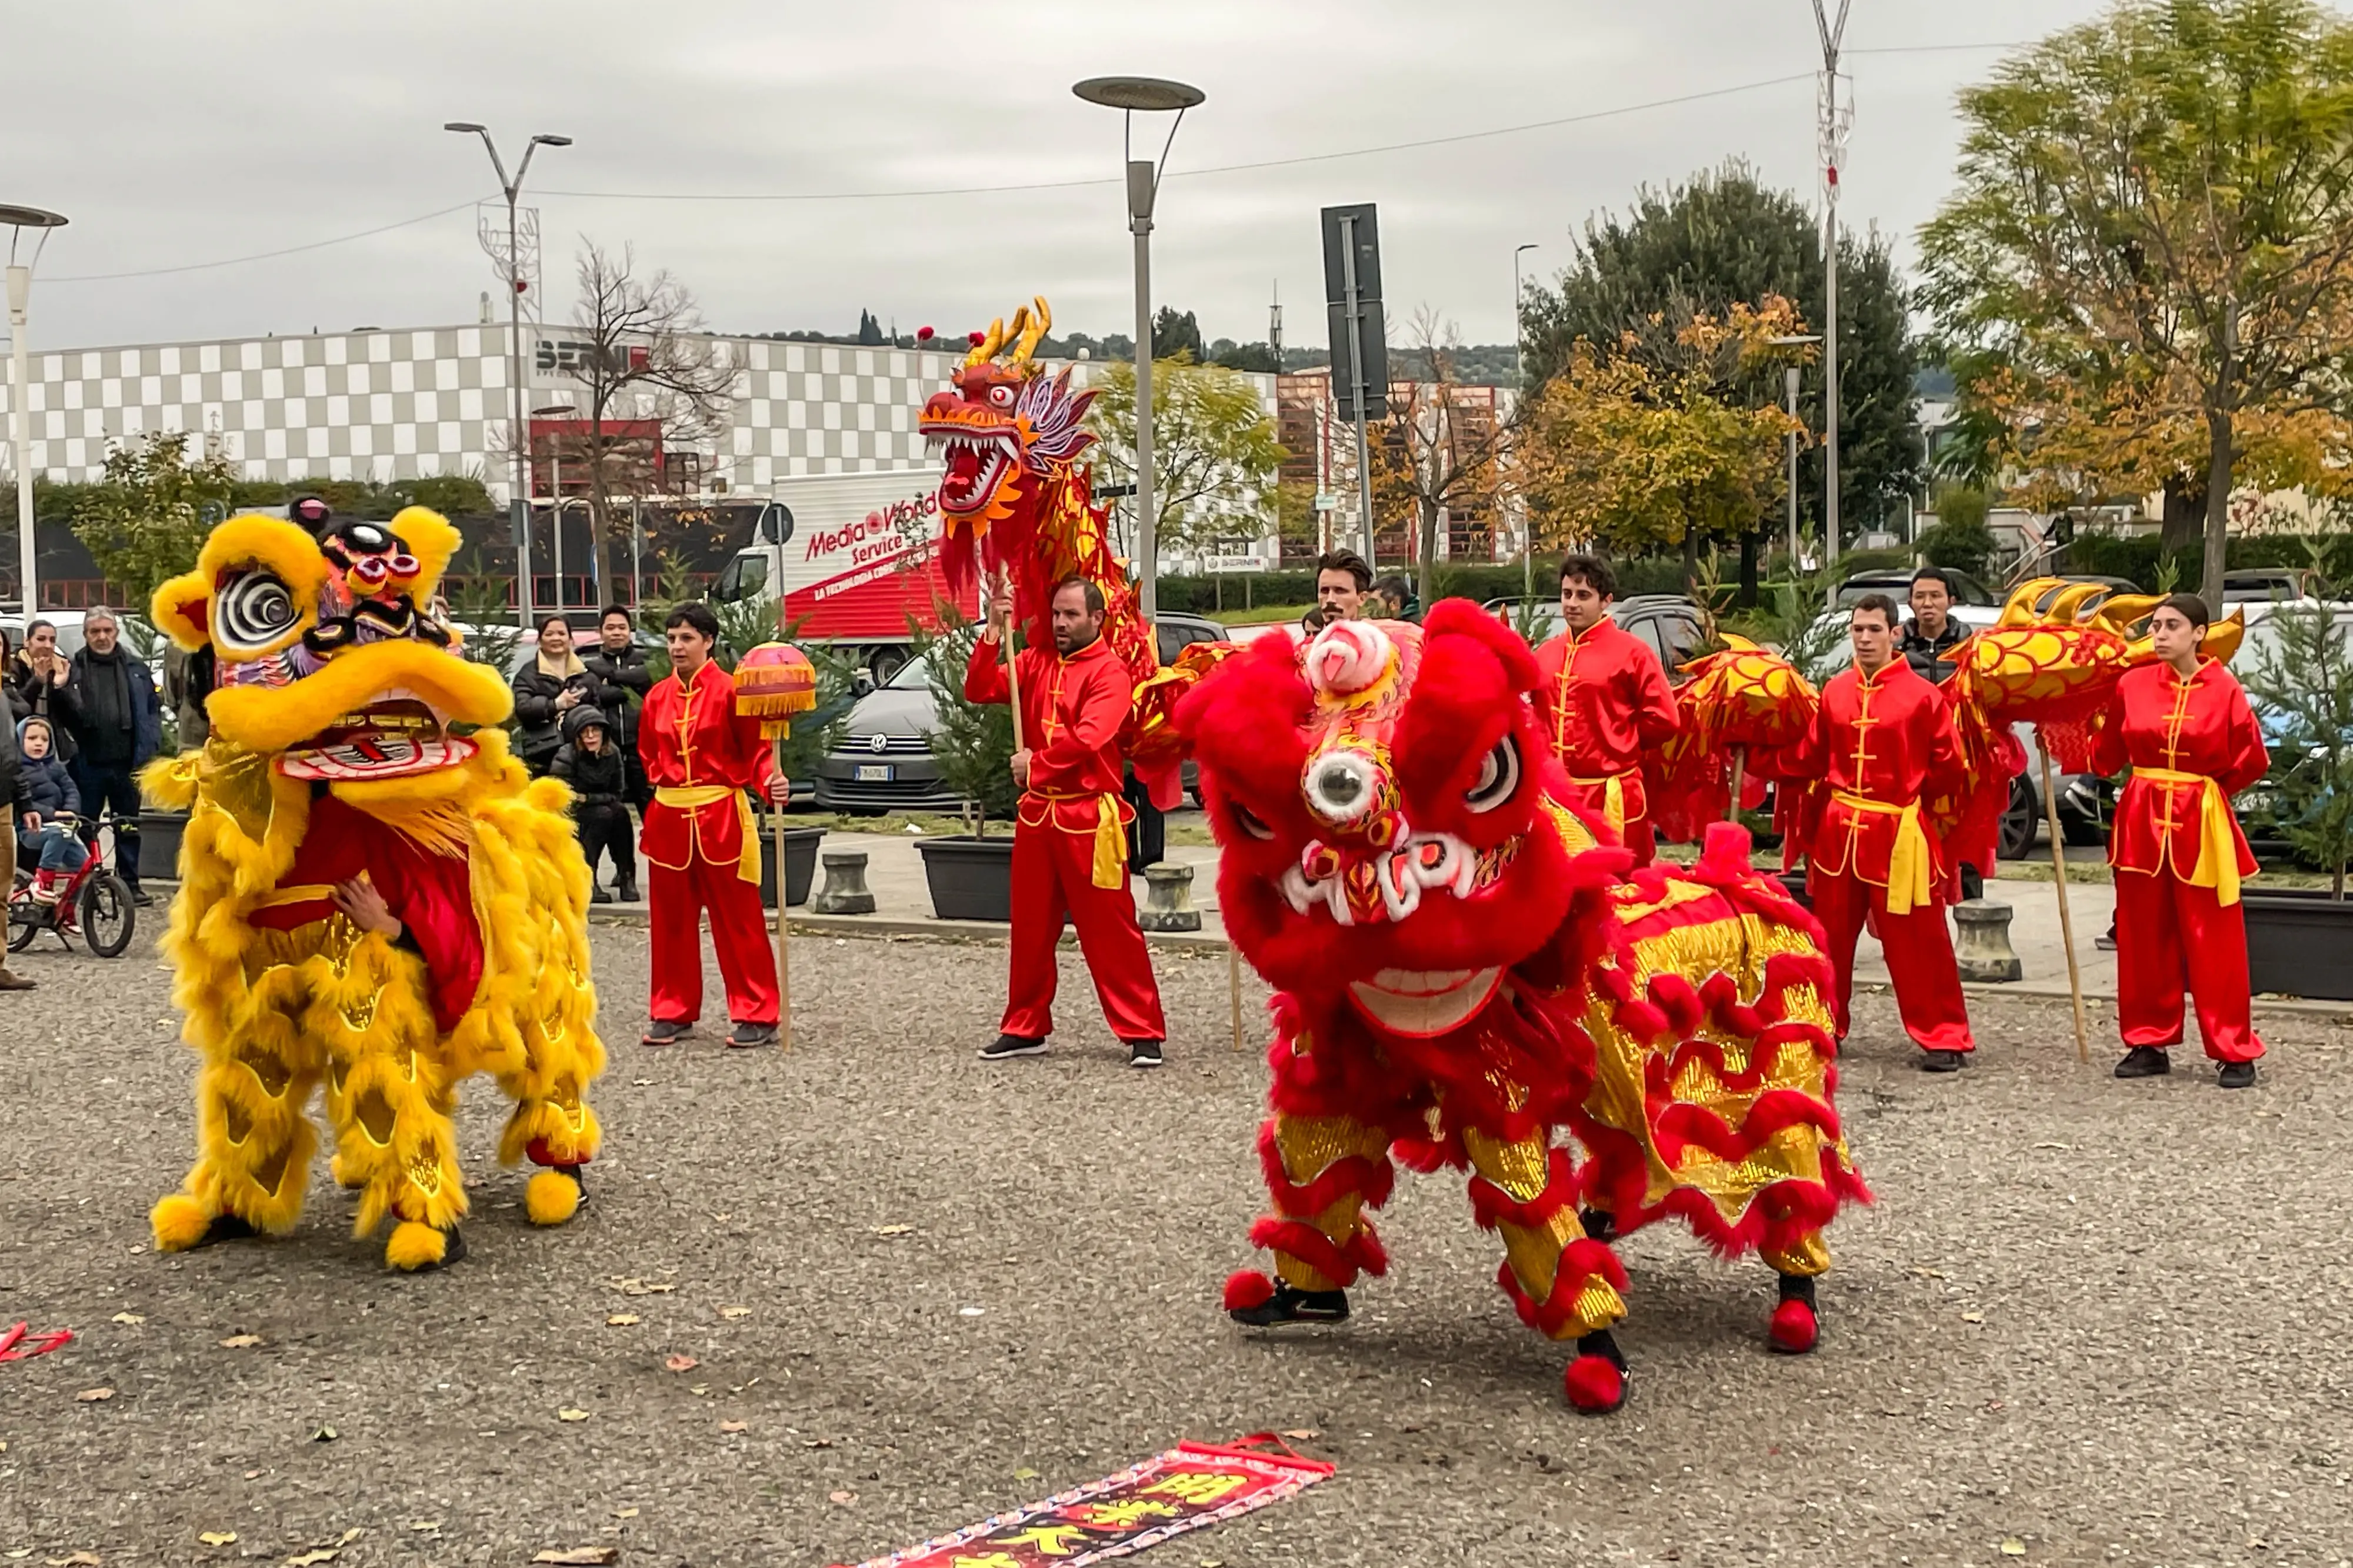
[[739, 929], [1053, 875], [2168, 931], [1919, 951]]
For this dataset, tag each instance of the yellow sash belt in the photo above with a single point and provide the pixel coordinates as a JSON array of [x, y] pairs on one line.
[[1908, 864], [693, 797], [1613, 798], [1110, 870], [2218, 850]]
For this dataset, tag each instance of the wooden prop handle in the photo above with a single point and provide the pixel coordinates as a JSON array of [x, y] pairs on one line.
[[2066, 917]]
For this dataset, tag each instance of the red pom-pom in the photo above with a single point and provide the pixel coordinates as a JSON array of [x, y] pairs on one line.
[[1247, 1288], [1595, 1385], [923, 334], [975, 339], [1794, 1328]]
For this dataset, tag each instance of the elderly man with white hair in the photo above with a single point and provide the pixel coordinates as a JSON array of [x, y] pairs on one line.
[[118, 725]]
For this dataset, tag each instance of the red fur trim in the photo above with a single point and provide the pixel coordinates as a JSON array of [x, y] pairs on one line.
[[1247, 1288], [1594, 1384], [1490, 1205], [1312, 1247], [1420, 1155], [1353, 1175], [1794, 1329]]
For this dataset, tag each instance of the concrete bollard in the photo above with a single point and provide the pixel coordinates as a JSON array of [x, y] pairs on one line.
[[1981, 940], [845, 891], [1168, 899]]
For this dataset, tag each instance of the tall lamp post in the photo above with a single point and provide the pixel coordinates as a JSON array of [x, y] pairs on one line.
[[1132, 95], [1790, 389], [1835, 120], [20, 396], [1519, 390], [519, 503]]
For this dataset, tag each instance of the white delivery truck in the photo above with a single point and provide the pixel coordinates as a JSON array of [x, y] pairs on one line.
[[854, 557]]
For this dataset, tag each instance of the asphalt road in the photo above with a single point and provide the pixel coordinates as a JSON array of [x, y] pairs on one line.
[[2088, 1320]]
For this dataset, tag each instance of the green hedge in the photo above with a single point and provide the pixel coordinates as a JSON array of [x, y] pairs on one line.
[[2137, 556]]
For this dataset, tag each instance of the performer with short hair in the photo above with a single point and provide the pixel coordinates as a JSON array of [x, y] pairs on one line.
[[2183, 725], [701, 842], [1883, 739], [1602, 700], [1069, 842]]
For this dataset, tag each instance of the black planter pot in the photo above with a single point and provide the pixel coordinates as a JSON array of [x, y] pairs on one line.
[[2299, 943], [800, 863], [1795, 882], [971, 878], [160, 833]]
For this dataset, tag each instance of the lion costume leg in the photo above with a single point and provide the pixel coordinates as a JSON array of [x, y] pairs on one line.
[[253, 1141]]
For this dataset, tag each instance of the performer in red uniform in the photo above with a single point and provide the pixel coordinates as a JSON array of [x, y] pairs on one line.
[[700, 840], [1069, 845], [1882, 740], [2184, 726], [1602, 701]]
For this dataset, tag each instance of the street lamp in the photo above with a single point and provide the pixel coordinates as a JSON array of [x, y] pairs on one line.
[[20, 396], [1519, 390], [555, 492], [1132, 95], [519, 503], [1789, 385]]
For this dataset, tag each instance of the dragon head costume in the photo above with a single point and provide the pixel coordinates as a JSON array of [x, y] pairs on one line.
[[374, 896], [1462, 967]]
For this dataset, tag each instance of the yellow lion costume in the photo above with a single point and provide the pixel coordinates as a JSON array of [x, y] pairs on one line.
[[373, 894]]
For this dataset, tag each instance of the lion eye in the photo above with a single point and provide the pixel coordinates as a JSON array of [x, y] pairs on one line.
[[253, 612], [1499, 778]]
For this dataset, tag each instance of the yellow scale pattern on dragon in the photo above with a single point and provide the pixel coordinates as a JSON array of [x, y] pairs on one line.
[[374, 899], [1464, 971]]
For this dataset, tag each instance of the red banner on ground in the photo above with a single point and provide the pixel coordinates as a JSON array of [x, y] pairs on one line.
[[1190, 1486]]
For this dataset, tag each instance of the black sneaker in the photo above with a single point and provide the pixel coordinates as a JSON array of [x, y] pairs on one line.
[[599, 896], [627, 893], [1144, 1054], [751, 1036], [142, 898], [1290, 1304], [2144, 1061], [1007, 1046], [1943, 1061], [1600, 1224], [666, 1031], [2236, 1075]]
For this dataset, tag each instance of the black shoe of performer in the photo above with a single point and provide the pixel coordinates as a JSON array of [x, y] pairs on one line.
[[1599, 1223], [2144, 1061], [1006, 1047], [1144, 1053], [1943, 1061], [751, 1036], [1290, 1304], [666, 1031], [226, 1227], [2237, 1075]]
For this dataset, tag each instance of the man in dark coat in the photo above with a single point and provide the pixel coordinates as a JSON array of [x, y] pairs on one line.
[[621, 682], [117, 726]]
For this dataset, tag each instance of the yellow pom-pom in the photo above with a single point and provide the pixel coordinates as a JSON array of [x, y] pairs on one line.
[[551, 1198], [413, 1246], [179, 1222]]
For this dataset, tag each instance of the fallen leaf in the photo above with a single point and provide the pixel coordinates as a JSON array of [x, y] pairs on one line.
[[642, 1287], [731, 1425], [1929, 1273], [92, 1395], [2012, 1546], [580, 1556], [1025, 1474], [312, 1558], [571, 1412], [817, 1442], [132, 1317], [623, 1321], [218, 1537], [79, 1559], [423, 1524], [624, 1513], [681, 1363], [20, 1551], [240, 1341], [844, 1497], [970, 1312], [1973, 1317], [253, 1475], [700, 1388], [350, 1535], [732, 1312], [892, 1229], [324, 1435], [1303, 1432]]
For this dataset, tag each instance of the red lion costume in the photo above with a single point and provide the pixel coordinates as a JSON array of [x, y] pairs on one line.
[[1462, 967]]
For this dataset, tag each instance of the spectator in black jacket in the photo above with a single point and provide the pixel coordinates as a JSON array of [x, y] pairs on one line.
[[622, 682], [1934, 634], [118, 726], [40, 685], [551, 685], [591, 763]]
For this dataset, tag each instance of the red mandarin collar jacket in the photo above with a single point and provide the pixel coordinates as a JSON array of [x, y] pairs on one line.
[[1888, 740], [2203, 726], [1072, 712], [689, 736], [1603, 701]]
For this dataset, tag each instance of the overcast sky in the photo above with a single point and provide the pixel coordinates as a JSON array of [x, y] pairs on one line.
[[179, 133]]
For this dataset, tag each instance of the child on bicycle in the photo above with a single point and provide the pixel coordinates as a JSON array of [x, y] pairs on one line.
[[46, 802]]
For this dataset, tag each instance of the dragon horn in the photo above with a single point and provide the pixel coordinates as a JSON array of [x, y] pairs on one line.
[[2067, 603], [1030, 329], [2223, 636], [2020, 609], [2120, 612], [986, 350]]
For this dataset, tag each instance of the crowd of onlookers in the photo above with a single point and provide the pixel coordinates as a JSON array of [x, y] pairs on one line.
[[576, 719]]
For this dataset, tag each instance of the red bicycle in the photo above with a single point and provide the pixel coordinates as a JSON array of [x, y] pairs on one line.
[[93, 905]]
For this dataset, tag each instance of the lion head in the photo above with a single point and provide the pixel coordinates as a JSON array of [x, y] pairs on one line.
[[328, 651]]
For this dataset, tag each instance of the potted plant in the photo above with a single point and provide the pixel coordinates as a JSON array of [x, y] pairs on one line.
[[2300, 939], [970, 874]]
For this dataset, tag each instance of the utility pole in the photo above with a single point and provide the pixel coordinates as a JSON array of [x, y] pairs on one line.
[[1835, 120], [1519, 391]]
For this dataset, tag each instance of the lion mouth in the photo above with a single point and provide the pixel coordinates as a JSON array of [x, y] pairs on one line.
[[1422, 1002], [397, 736]]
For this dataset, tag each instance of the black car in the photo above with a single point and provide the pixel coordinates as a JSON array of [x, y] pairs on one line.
[[1676, 628], [883, 761]]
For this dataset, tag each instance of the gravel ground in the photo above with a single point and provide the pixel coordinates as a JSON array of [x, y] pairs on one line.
[[2087, 1321]]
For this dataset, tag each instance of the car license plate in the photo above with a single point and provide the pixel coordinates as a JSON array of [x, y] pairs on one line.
[[876, 773]]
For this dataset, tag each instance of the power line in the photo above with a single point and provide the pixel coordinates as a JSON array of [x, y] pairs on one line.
[[264, 254]]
